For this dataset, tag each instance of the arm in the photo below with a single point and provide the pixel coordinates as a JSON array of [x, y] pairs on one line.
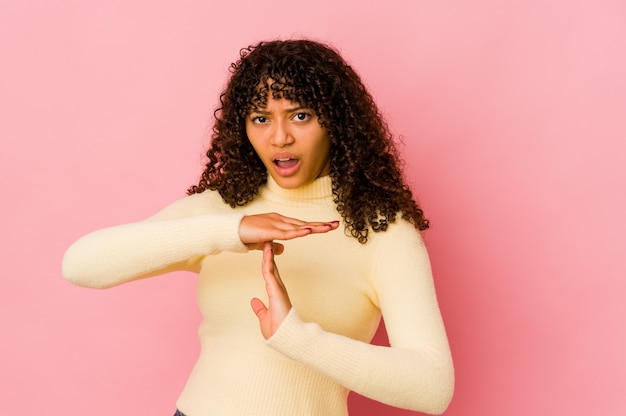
[[177, 238], [416, 372], [174, 239]]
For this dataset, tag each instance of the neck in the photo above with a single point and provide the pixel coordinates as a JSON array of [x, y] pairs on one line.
[[318, 189]]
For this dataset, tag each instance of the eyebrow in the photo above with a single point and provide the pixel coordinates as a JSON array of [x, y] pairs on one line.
[[288, 110]]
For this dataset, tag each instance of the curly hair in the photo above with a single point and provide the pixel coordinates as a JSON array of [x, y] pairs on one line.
[[367, 183]]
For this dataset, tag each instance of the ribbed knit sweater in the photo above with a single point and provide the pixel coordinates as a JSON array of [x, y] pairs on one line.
[[338, 288]]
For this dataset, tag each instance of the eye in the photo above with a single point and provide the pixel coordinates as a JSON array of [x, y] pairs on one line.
[[302, 116], [259, 120]]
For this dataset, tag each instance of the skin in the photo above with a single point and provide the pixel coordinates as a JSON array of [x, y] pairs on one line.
[[272, 315], [295, 149], [286, 131]]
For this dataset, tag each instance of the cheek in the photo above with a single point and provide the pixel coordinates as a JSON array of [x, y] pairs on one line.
[[253, 140], [249, 132], [325, 144]]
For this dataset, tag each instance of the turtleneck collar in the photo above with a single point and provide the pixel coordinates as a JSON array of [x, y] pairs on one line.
[[319, 189]]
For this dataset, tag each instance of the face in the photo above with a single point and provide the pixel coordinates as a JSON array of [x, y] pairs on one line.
[[290, 141]]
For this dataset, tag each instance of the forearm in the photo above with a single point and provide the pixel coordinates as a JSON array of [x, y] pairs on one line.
[[419, 378], [119, 254]]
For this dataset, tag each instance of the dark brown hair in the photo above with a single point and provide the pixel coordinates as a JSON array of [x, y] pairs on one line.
[[367, 183]]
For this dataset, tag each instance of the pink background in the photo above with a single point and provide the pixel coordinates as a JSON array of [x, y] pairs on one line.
[[513, 117]]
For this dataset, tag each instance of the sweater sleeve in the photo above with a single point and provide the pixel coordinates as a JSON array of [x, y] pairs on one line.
[[176, 238], [416, 371]]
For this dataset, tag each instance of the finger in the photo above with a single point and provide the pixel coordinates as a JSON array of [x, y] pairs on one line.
[[275, 286], [288, 223], [300, 230], [293, 232], [277, 248], [293, 221], [268, 265], [322, 227], [285, 221], [301, 223], [253, 230], [259, 308], [297, 224]]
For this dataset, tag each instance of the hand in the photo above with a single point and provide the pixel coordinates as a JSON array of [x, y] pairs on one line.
[[271, 316], [255, 230]]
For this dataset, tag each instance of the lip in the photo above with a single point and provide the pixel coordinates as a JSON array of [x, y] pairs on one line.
[[291, 165]]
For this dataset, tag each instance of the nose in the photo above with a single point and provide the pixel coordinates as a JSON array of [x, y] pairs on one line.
[[281, 133]]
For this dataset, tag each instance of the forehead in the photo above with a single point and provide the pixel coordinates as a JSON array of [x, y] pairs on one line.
[[273, 89], [279, 105]]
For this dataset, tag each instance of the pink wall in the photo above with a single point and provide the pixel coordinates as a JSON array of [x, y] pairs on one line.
[[513, 119]]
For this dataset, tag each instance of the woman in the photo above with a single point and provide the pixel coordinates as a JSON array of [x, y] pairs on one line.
[[299, 154]]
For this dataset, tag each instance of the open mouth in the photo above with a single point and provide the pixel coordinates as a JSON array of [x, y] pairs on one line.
[[285, 163]]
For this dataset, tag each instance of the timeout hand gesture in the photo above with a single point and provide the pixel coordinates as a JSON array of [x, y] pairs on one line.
[[272, 315], [255, 230]]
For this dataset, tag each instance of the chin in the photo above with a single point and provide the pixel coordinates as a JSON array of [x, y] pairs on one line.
[[288, 182]]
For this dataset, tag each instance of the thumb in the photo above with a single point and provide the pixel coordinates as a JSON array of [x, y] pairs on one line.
[[259, 308], [277, 248]]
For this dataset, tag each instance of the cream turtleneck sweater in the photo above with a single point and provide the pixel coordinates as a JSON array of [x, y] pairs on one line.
[[338, 289]]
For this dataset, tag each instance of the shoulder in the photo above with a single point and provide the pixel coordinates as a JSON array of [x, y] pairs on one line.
[[195, 204], [401, 242], [400, 260], [399, 232]]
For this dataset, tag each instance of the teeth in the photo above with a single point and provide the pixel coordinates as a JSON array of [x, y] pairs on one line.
[[283, 159]]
